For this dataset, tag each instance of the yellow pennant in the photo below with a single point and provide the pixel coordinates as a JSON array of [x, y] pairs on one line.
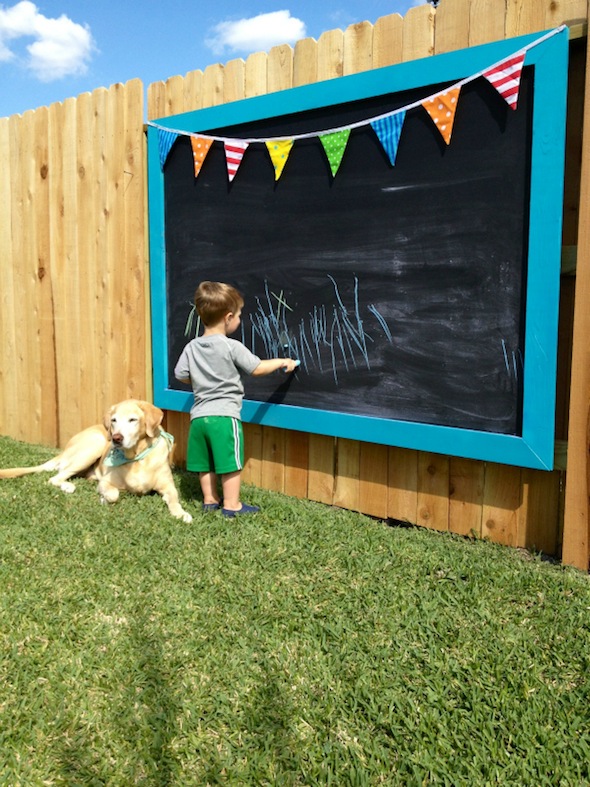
[[200, 146], [279, 150], [441, 109]]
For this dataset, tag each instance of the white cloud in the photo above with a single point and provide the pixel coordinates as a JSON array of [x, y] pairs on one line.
[[60, 48], [257, 33]]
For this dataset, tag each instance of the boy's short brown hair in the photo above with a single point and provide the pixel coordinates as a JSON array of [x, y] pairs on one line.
[[214, 299]]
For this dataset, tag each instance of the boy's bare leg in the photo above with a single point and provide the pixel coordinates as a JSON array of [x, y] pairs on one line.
[[231, 483], [209, 487]]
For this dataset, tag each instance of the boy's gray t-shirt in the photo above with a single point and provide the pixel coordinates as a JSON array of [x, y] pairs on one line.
[[213, 364]]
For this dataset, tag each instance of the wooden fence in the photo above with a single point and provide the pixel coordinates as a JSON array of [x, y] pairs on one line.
[[74, 312]]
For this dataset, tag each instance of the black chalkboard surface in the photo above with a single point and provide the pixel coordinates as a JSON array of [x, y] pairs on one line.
[[400, 289]]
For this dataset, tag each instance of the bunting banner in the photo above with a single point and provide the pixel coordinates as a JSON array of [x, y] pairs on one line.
[[335, 144], [234, 153], [279, 150], [441, 109], [389, 130], [165, 141], [505, 77], [200, 147]]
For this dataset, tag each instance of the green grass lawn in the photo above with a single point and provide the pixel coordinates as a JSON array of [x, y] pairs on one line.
[[304, 646]]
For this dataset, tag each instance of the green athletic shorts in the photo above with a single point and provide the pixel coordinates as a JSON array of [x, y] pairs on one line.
[[215, 442]]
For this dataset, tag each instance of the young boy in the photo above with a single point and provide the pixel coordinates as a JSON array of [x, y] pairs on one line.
[[211, 364]]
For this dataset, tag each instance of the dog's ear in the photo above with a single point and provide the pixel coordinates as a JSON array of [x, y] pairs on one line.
[[153, 418], [107, 418]]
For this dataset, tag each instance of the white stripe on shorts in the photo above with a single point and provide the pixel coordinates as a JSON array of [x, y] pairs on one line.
[[236, 430]]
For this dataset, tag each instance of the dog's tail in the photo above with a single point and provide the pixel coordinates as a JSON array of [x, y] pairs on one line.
[[16, 472]]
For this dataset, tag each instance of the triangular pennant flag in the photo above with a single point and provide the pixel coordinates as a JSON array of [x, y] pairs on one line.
[[200, 146], [165, 141], [279, 150], [441, 109], [335, 145], [389, 130], [505, 77], [234, 153]]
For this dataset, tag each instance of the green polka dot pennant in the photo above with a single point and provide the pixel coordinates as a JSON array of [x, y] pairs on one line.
[[279, 150], [335, 145]]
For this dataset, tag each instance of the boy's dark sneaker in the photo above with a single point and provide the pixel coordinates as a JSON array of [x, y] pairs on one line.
[[243, 510], [210, 506]]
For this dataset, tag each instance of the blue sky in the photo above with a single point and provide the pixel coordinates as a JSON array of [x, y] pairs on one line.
[[53, 49]]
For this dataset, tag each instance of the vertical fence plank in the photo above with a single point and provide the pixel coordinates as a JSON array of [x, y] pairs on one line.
[[21, 230], [305, 62], [388, 41], [101, 140], [8, 376], [330, 54], [576, 546], [30, 297], [65, 267], [433, 491], [234, 81], [44, 371], [502, 499], [120, 329], [487, 20], [156, 99], [253, 447], [213, 85], [273, 459], [193, 91], [557, 13], [347, 486], [358, 48], [296, 463], [402, 497], [256, 75], [320, 485], [86, 249], [280, 68], [418, 38], [373, 479], [451, 26], [174, 95], [525, 16], [466, 496], [539, 511], [134, 211]]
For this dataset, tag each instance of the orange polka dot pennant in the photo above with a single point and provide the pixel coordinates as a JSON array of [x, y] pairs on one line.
[[279, 150], [441, 109], [200, 146], [335, 145]]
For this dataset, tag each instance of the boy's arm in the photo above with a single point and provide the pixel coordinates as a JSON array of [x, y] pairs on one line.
[[271, 365], [184, 380]]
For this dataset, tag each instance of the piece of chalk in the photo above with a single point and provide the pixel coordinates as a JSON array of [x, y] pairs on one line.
[[297, 363]]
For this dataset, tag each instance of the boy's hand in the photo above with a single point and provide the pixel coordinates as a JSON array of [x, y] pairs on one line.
[[289, 365]]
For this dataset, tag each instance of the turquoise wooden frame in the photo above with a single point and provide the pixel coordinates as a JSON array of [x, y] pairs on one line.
[[535, 448]]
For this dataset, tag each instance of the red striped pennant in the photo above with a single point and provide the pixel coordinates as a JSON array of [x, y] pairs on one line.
[[505, 77], [234, 153]]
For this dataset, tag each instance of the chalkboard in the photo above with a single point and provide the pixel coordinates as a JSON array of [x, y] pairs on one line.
[[408, 292]]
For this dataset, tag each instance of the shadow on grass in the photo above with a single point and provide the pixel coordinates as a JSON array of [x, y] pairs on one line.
[[143, 720]]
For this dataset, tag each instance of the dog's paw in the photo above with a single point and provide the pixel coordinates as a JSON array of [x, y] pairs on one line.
[[109, 495], [185, 516], [68, 487]]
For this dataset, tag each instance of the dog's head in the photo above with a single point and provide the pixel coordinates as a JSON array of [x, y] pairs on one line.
[[130, 421]]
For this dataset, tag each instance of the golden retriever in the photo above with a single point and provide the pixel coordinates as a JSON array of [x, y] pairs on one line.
[[129, 452]]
